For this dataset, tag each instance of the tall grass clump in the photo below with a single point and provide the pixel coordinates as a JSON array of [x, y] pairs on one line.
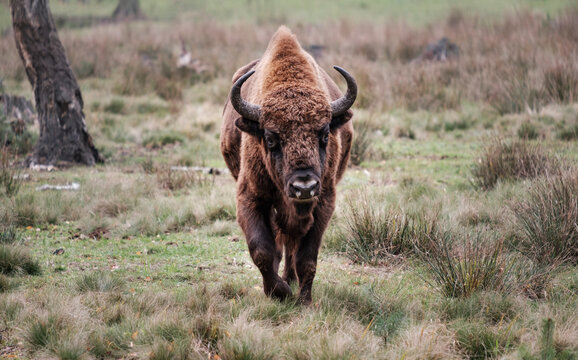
[[362, 141], [515, 160], [548, 219], [10, 182], [15, 137], [461, 268], [16, 259], [561, 83], [548, 349], [515, 90], [98, 281], [373, 235], [479, 341]]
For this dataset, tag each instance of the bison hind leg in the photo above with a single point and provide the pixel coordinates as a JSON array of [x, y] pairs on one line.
[[278, 290]]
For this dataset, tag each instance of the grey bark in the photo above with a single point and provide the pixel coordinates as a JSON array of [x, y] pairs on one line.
[[63, 134], [127, 9]]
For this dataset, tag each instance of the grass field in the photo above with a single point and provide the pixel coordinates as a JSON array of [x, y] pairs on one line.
[[456, 225]]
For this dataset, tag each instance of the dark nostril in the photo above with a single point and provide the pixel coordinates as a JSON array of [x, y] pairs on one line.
[[305, 185], [305, 188]]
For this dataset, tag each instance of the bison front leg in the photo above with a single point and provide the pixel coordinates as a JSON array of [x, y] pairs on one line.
[[308, 248], [261, 243], [306, 266]]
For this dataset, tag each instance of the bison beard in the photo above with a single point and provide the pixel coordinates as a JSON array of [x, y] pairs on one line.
[[286, 137]]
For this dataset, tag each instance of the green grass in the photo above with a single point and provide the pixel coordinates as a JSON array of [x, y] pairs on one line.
[[415, 12], [146, 262]]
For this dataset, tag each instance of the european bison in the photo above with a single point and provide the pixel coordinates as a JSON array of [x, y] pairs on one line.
[[286, 138]]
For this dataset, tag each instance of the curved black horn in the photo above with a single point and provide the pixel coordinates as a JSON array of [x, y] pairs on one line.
[[341, 105], [245, 108]]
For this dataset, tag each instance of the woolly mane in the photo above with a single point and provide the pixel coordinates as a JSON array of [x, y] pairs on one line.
[[285, 63]]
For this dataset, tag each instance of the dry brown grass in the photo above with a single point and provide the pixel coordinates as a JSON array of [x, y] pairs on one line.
[[516, 64]]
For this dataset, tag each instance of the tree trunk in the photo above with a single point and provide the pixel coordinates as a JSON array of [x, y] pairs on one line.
[[127, 9], [63, 134]]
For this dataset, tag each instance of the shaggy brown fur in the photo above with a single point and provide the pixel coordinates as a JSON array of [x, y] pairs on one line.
[[294, 95]]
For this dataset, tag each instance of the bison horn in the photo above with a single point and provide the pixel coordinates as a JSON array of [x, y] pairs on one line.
[[341, 105], [243, 107]]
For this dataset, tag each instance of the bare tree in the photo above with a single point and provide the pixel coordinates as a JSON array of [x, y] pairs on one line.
[[127, 9], [63, 134]]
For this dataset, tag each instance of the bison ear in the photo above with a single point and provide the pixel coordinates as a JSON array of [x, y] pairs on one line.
[[248, 126], [340, 120]]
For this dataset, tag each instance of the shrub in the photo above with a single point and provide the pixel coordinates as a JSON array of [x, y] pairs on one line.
[[548, 219], [501, 160], [478, 264]]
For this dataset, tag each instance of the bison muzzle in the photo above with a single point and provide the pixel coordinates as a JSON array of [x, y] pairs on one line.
[[286, 137]]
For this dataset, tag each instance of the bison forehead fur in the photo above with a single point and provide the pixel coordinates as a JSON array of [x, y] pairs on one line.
[[286, 138]]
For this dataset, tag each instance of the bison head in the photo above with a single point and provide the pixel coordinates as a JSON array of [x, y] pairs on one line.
[[295, 125]]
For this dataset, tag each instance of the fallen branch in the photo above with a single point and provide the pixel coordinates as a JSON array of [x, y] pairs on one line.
[[73, 186], [206, 170]]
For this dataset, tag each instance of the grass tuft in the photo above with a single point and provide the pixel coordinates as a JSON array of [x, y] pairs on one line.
[[362, 141], [501, 160], [16, 259], [10, 181], [479, 341], [99, 282], [373, 235], [548, 219], [461, 268]]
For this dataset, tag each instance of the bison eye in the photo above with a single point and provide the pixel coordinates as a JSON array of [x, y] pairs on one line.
[[271, 140], [324, 135]]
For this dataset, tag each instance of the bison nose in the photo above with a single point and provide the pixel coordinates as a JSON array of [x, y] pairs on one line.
[[304, 186]]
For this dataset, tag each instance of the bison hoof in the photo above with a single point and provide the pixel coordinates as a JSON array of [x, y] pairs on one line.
[[279, 291], [305, 299], [290, 278]]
